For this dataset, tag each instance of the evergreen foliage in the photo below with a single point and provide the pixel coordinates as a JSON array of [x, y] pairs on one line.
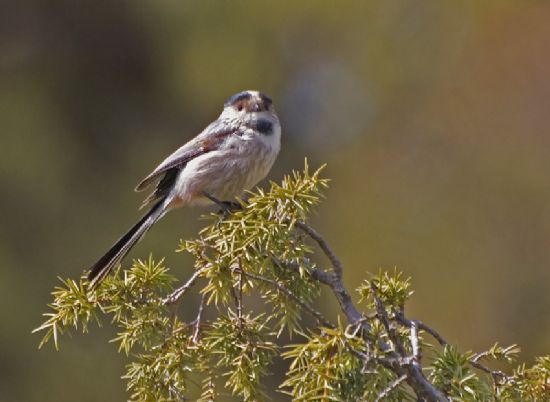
[[265, 249]]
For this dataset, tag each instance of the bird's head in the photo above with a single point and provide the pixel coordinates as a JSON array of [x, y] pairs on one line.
[[254, 109], [250, 102]]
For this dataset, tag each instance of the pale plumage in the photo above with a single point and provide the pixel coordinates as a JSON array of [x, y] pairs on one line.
[[229, 156]]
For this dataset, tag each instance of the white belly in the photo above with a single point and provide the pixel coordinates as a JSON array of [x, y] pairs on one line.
[[227, 173]]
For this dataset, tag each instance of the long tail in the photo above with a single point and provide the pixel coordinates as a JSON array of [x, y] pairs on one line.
[[118, 251]]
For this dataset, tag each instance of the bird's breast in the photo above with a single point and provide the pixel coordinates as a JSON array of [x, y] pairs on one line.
[[238, 165]]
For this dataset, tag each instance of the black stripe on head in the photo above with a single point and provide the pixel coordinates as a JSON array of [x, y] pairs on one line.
[[266, 100], [241, 96]]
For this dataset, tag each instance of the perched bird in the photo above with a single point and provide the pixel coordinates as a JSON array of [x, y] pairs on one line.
[[229, 156]]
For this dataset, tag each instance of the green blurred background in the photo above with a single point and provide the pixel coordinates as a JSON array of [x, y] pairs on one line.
[[433, 117]]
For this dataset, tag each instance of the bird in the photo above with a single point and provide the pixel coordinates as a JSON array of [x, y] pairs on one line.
[[231, 155]]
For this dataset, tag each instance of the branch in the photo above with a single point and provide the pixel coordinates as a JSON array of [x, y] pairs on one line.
[[238, 293], [496, 374], [391, 386], [414, 342], [197, 323], [410, 366], [334, 260], [474, 361], [179, 292], [383, 316], [400, 317], [334, 281], [315, 273], [286, 291], [399, 362]]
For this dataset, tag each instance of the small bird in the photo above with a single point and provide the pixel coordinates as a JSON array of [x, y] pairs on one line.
[[229, 156]]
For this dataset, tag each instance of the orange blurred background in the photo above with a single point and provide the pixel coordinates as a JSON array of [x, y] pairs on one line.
[[432, 117]]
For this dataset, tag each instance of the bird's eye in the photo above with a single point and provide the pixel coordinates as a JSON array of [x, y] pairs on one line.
[[240, 107]]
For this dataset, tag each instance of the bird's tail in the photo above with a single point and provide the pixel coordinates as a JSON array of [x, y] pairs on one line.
[[118, 251]]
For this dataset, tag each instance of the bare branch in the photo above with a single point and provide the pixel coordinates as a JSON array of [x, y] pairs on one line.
[[398, 362], [400, 317], [315, 273], [353, 329], [335, 283], [286, 291], [383, 316], [414, 342], [332, 279], [391, 386], [478, 356], [240, 298], [334, 260], [179, 292], [238, 293], [197, 323], [496, 374]]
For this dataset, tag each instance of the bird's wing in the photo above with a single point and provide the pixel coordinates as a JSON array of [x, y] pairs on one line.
[[207, 141]]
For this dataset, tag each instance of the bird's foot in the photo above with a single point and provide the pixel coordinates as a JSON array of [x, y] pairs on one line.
[[227, 207]]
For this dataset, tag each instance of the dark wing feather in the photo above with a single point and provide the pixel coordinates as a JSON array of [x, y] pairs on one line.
[[164, 186], [168, 171], [173, 162], [208, 140]]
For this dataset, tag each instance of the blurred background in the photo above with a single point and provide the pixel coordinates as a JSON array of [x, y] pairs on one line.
[[433, 118]]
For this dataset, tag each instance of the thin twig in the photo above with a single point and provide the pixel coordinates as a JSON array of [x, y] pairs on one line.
[[240, 298], [238, 295], [391, 386], [179, 292], [197, 323], [407, 366], [334, 260], [289, 293], [398, 363], [496, 374], [332, 279], [315, 273], [235, 297], [383, 316], [400, 317], [353, 329], [414, 343], [480, 355]]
